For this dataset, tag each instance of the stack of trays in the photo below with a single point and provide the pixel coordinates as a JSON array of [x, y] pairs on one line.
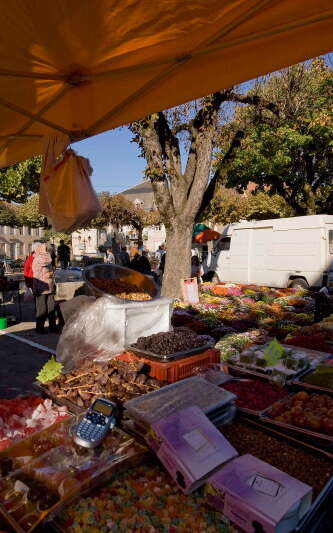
[[217, 403]]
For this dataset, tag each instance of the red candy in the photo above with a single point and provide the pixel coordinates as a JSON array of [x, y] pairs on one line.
[[255, 394]]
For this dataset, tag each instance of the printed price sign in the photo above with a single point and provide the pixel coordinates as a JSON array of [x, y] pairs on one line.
[[190, 291], [265, 486]]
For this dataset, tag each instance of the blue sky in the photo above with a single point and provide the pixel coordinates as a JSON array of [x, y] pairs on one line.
[[114, 159]]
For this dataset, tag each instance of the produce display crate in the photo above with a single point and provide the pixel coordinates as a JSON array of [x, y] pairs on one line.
[[322, 505], [255, 370], [318, 439], [175, 370]]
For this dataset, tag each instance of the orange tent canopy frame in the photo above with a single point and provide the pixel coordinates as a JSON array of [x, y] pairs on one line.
[[76, 68], [206, 235]]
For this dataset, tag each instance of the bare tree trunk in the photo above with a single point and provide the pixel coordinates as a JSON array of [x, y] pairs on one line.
[[177, 264]]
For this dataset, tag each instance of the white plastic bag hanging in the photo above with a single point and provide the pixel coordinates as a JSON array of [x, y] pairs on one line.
[[70, 197]]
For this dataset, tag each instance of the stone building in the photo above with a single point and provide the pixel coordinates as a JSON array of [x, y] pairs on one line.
[[142, 196], [16, 242]]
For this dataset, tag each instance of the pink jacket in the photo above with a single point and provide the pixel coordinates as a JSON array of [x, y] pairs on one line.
[[43, 278]]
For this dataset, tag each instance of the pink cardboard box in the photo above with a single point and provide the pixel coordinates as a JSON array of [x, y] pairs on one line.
[[190, 447], [258, 497]]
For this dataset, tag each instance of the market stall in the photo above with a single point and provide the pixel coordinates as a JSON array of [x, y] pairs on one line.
[[239, 384]]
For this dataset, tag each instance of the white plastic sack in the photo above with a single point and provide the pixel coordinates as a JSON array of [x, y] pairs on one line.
[[67, 191], [103, 328], [75, 305]]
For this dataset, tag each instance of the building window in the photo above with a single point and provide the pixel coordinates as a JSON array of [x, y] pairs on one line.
[[20, 230], [138, 203], [330, 241], [29, 231], [29, 248], [20, 249], [11, 230], [2, 248]]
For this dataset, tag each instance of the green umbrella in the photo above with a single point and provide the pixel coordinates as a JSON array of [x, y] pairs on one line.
[[198, 228]]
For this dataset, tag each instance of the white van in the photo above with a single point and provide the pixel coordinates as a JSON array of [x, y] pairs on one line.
[[283, 252]]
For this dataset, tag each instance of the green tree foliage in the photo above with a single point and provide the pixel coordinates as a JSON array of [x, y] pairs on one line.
[[119, 211], [56, 236], [28, 213], [288, 153], [229, 206], [7, 215], [19, 181]]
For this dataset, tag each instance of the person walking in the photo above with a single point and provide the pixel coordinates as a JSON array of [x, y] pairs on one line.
[[124, 257], [43, 289], [64, 254]]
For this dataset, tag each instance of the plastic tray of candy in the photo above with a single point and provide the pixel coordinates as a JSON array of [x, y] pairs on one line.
[[45, 472]]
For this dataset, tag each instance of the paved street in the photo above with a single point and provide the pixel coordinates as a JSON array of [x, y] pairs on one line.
[[20, 362]]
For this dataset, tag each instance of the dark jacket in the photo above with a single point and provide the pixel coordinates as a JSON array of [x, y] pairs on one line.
[[64, 252]]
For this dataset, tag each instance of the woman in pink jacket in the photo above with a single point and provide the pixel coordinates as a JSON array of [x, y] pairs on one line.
[[43, 287]]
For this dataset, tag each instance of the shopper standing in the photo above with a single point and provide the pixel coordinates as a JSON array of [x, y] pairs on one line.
[[64, 254], [109, 257], [43, 288]]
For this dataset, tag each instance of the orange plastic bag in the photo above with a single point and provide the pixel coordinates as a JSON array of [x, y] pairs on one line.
[[71, 199]]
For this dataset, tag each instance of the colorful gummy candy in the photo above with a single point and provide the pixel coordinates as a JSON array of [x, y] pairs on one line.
[[142, 500]]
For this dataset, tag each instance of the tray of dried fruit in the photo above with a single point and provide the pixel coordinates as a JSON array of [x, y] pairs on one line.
[[305, 462], [171, 345], [45, 472], [293, 361], [116, 380], [319, 379], [306, 416], [255, 393]]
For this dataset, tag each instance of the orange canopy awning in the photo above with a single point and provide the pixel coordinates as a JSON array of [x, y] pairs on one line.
[[206, 235], [80, 67]]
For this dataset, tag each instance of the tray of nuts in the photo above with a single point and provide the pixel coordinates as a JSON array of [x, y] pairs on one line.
[[171, 345], [120, 283], [305, 415]]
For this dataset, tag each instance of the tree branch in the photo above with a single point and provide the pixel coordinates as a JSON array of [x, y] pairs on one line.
[[254, 100], [184, 126]]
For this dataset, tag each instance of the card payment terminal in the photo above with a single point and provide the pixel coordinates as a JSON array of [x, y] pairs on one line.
[[95, 424]]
